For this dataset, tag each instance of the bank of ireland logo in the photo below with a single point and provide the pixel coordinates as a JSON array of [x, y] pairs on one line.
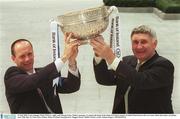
[[118, 52]]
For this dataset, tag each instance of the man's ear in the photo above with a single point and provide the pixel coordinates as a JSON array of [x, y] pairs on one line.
[[13, 58], [155, 42]]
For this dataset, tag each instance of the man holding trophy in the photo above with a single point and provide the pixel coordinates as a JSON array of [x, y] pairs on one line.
[[144, 81], [32, 90]]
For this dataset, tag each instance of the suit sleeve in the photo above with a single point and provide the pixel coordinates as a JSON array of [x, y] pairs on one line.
[[70, 84], [17, 81], [160, 74], [109, 78], [103, 75]]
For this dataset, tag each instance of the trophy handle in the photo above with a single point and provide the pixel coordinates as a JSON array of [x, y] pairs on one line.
[[111, 9], [60, 24]]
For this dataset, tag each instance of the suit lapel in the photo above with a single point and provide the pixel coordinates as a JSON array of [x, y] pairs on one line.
[[149, 62]]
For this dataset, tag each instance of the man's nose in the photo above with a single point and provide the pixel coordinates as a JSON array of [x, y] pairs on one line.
[[139, 45], [27, 58]]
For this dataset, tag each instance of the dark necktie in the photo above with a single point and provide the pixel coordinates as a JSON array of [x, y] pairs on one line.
[[42, 96]]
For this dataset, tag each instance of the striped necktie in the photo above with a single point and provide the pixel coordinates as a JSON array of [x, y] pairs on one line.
[[127, 92]]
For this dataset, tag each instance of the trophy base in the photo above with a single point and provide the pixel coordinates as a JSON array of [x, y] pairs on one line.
[[86, 40]]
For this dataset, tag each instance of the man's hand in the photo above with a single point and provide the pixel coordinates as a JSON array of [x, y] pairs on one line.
[[102, 50], [72, 58], [70, 50]]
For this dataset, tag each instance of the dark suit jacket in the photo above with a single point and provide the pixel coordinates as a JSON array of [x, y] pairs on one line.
[[22, 94], [151, 86]]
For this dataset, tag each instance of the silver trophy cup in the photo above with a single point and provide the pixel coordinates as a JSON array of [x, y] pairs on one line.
[[85, 24]]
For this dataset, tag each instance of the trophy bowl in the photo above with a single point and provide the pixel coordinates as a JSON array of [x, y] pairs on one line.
[[85, 24]]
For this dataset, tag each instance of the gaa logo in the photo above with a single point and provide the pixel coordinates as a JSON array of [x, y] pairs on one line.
[[118, 52]]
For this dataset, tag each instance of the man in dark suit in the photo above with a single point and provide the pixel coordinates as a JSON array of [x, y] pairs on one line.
[[35, 90], [144, 81]]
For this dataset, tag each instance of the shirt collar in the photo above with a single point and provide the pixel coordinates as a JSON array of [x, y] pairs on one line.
[[29, 73], [138, 62]]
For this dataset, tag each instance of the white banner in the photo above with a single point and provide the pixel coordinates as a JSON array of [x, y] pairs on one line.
[[115, 35], [55, 48], [55, 40]]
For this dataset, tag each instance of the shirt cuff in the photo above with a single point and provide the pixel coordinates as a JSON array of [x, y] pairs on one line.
[[97, 60], [75, 73], [114, 64], [59, 64]]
